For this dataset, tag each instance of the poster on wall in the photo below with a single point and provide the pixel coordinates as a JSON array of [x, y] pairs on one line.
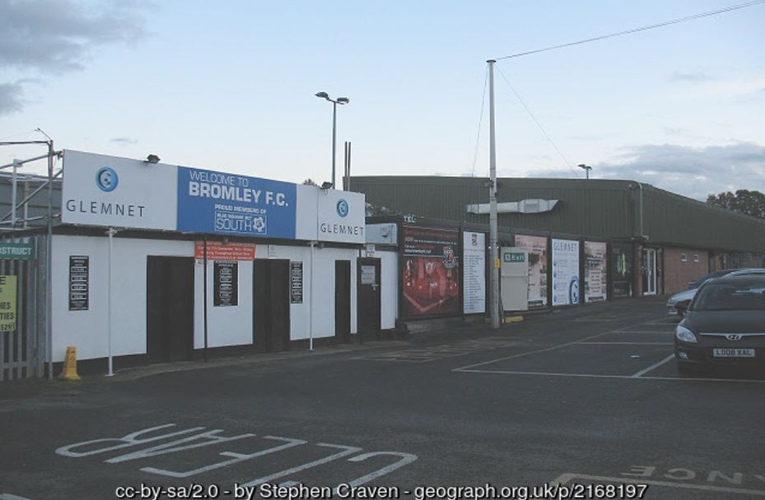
[[430, 272], [595, 287], [226, 283], [565, 268], [621, 271], [8, 289], [537, 249], [79, 282], [474, 273]]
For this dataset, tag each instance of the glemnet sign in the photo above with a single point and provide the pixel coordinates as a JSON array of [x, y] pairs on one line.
[[106, 191]]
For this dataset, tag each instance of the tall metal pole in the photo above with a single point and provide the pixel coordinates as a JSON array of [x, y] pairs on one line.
[[110, 232], [204, 293], [14, 191], [334, 141], [48, 265], [493, 252]]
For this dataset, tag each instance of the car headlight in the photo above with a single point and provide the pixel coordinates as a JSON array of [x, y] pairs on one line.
[[671, 302], [685, 335]]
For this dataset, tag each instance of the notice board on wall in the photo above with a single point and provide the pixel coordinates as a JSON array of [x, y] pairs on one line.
[[226, 283], [79, 282]]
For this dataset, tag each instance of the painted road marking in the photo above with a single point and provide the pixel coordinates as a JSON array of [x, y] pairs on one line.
[[566, 478], [654, 366], [548, 349], [596, 340], [346, 450], [164, 440], [588, 375], [626, 343], [8, 496]]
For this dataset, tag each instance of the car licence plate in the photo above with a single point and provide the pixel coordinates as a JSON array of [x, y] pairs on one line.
[[733, 353]]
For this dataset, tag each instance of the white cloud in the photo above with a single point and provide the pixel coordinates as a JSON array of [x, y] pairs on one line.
[[57, 36], [692, 172]]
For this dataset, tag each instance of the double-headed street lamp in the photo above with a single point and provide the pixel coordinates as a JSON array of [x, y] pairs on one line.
[[335, 102], [586, 169]]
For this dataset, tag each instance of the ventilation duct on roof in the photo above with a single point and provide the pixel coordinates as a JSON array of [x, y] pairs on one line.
[[534, 206]]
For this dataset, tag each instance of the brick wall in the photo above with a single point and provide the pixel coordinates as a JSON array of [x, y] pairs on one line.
[[682, 265]]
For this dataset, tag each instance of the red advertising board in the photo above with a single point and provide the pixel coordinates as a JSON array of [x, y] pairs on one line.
[[217, 250], [431, 272]]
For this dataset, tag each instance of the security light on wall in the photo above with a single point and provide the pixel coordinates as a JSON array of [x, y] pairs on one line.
[[153, 159]]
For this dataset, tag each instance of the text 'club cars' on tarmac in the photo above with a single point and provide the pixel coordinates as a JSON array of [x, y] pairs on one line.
[[724, 324]]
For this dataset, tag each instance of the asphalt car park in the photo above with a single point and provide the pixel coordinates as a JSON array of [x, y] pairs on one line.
[[583, 398]]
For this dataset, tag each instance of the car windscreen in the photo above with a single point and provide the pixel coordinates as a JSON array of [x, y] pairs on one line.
[[730, 297]]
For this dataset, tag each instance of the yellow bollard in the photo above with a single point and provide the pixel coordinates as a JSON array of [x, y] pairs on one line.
[[69, 372]]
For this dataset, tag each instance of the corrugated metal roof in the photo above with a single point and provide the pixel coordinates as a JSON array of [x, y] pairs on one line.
[[596, 207]]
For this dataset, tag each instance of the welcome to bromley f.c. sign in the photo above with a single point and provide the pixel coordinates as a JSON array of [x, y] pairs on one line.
[[107, 191]]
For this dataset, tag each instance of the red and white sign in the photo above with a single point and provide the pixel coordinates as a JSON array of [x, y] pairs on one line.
[[217, 250]]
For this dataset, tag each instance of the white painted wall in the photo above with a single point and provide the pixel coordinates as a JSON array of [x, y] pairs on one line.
[[88, 330], [227, 326], [389, 282], [322, 296]]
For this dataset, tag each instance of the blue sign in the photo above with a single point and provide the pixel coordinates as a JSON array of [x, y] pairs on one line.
[[107, 179], [219, 203]]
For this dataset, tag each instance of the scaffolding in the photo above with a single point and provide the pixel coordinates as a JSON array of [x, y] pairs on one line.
[[26, 236]]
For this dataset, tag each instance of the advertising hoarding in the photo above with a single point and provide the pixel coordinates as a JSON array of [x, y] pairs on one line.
[[430, 272], [474, 273], [595, 276], [107, 191], [621, 270], [536, 246], [565, 265], [329, 215]]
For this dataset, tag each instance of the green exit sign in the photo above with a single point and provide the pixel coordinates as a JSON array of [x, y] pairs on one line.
[[515, 257], [23, 251]]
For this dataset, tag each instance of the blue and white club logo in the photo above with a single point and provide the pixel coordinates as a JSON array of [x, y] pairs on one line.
[[343, 208], [107, 179], [573, 290]]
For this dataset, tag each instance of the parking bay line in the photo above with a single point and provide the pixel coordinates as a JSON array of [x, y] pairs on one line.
[[627, 343], [548, 349], [595, 375], [565, 478], [654, 366]]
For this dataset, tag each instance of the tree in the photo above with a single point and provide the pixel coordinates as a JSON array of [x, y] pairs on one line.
[[744, 202], [310, 182]]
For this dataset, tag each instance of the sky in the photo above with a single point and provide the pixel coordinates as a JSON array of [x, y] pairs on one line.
[[230, 85]]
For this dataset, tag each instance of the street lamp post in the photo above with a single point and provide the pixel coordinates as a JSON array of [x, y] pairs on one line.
[[586, 168], [335, 102]]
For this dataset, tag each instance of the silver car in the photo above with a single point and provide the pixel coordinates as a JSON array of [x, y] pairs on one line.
[[678, 303]]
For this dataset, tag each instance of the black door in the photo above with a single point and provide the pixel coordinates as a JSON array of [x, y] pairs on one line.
[[343, 300], [271, 307], [169, 308], [368, 295]]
